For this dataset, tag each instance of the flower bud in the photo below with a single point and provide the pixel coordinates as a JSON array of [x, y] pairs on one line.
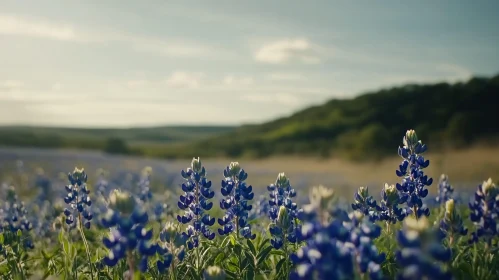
[[196, 164], [390, 194], [417, 225], [169, 231], [282, 180], [410, 139], [147, 171], [489, 187], [449, 206], [214, 273], [283, 217], [121, 201], [234, 168], [321, 196], [363, 192]]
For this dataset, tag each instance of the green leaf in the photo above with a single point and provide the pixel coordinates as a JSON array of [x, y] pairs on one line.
[[251, 247], [219, 258], [232, 240], [231, 274], [262, 256], [1, 239], [250, 275], [251, 259], [279, 265]]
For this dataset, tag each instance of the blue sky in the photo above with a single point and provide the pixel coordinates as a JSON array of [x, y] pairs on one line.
[[142, 63]]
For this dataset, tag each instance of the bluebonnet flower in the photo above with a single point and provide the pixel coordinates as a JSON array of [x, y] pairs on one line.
[[260, 209], [388, 207], [362, 233], [170, 248], [421, 251], [485, 212], [323, 198], [144, 188], [159, 210], [78, 200], [194, 202], [13, 218], [283, 212], [128, 233], [43, 183], [452, 223], [102, 185], [237, 196], [260, 212], [413, 187], [445, 190], [214, 273], [325, 255], [365, 203]]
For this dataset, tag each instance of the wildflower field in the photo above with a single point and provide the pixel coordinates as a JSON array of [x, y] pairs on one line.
[[206, 228]]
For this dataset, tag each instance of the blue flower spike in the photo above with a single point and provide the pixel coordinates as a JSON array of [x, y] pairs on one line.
[[77, 198], [421, 254], [283, 213], [236, 203], [412, 189], [452, 222], [195, 201]]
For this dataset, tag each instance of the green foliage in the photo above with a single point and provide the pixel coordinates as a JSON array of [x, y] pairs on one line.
[[369, 125]]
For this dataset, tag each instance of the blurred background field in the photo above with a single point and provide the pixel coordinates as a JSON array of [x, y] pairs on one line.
[[467, 168]]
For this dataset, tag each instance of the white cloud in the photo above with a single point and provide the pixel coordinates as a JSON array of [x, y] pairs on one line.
[[182, 79], [57, 86], [283, 51], [15, 25], [454, 72], [9, 85], [284, 76], [232, 80], [280, 98]]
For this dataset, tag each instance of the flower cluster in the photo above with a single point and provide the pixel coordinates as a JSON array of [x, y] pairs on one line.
[[170, 248], [237, 195], [325, 256], [360, 242], [214, 273], [365, 203], [14, 214], [322, 199], [78, 199], [445, 190], [452, 223], [413, 187], [194, 202], [388, 207], [485, 211], [144, 189], [283, 212], [128, 233], [422, 253], [13, 217]]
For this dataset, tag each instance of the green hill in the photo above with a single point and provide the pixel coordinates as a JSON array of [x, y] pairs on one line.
[[111, 140], [369, 125]]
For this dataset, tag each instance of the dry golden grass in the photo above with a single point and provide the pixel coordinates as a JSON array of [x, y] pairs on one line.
[[466, 169]]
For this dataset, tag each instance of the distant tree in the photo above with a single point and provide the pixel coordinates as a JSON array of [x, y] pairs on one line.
[[116, 146]]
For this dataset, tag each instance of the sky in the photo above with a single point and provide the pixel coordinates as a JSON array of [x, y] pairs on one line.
[[123, 63]]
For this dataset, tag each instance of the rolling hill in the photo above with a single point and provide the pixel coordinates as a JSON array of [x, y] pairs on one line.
[[369, 125], [372, 124]]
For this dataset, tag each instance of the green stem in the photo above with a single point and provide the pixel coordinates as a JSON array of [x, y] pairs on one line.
[[87, 249], [286, 256], [131, 265]]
